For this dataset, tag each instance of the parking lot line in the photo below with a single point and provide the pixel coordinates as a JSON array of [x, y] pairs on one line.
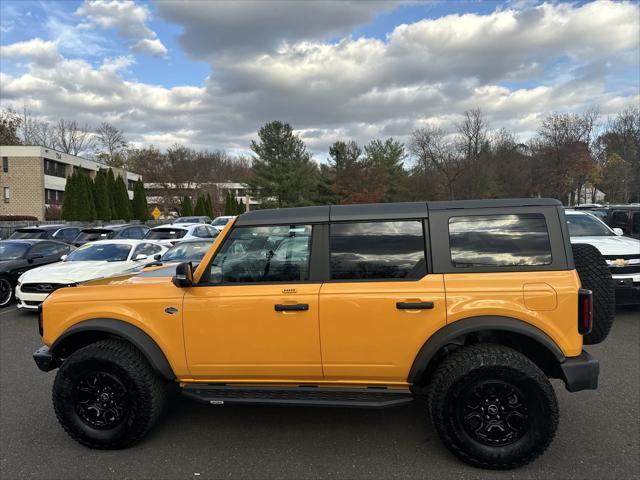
[[8, 311]]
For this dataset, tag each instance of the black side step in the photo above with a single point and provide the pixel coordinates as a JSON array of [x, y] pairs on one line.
[[306, 396]]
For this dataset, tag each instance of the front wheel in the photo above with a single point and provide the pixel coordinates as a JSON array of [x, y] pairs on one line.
[[6, 291], [107, 396], [492, 407]]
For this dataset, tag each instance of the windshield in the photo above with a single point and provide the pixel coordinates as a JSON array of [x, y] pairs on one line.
[[165, 233], [587, 226], [193, 251], [109, 252], [220, 221], [28, 233], [12, 250], [91, 235]]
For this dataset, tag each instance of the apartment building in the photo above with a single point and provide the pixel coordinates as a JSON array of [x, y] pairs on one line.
[[33, 178]]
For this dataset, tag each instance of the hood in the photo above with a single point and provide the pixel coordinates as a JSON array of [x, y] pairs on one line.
[[150, 275], [612, 245], [73, 272]]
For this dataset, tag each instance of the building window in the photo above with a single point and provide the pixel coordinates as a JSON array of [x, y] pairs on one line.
[[5, 164], [53, 197], [499, 240], [53, 168], [130, 184], [6, 194], [377, 250]]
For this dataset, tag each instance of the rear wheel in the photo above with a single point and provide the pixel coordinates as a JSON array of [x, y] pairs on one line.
[[492, 407], [6, 291], [595, 275], [106, 395]]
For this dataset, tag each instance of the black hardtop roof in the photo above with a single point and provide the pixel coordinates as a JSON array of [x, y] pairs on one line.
[[377, 211]]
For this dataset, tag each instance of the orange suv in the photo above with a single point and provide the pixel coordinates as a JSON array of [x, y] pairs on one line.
[[472, 304]]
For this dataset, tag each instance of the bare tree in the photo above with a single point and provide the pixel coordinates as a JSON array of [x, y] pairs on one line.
[[474, 135], [73, 138], [112, 144], [434, 151]]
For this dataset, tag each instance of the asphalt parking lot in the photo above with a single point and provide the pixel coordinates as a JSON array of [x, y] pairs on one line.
[[598, 437]]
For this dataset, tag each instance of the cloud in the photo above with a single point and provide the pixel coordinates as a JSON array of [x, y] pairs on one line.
[[127, 18], [152, 47], [243, 27], [517, 65], [41, 52]]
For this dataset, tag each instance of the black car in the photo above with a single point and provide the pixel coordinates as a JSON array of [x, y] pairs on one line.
[[62, 233], [18, 256], [626, 217], [111, 232]]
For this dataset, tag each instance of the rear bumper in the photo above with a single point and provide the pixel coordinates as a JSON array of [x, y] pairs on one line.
[[581, 372], [627, 289], [45, 360]]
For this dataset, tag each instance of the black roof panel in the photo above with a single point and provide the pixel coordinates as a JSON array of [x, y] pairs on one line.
[[377, 211]]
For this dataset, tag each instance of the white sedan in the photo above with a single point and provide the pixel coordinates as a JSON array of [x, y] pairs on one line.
[[91, 261]]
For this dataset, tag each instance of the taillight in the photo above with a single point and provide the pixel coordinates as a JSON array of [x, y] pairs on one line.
[[585, 311]]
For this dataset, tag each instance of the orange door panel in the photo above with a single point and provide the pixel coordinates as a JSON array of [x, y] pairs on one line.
[[366, 337], [235, 332]]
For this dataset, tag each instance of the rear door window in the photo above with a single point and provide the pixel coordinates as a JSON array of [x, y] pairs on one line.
[[499, 241], [377, 250]]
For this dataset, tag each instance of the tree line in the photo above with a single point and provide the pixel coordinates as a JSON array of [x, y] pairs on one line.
[[466, 159], [103, 198]]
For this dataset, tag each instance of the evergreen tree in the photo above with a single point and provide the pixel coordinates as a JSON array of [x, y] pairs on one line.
[[69, 202], [111, 189], [282, 168], [240, 207], [139, 204], [122, 203], [387, 159], [209, 206], [91, 204], [101, 197], [186, 209], [229, 204], [84, 211], [200, 208]]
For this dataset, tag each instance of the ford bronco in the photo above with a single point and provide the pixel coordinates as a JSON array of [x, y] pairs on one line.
[[471, 305]]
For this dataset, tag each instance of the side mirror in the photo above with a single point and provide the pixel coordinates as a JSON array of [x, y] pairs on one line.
[[184, 275], [618, 231], [140, 256], [63, 258], [157, 256]]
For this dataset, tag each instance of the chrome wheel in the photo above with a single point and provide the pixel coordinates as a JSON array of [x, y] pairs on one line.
[[6, 292]]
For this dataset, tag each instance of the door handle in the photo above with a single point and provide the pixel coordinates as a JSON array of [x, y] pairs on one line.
[[296, 307], [414, 305]]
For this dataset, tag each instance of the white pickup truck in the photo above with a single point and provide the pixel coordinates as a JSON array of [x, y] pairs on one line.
[[622, 254]]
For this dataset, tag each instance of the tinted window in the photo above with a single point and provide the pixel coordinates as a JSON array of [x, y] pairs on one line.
[[377, 250], [68, 234], [47, 249], [635, 227], [148, 249], [220, 221], [28, 233], [166, 233], [499, 240], [263, 254], [135, 233], [12, 250], [619, 219], [91, 235]]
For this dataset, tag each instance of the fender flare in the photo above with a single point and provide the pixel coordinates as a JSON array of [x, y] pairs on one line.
[[140, 339], [459, 328]]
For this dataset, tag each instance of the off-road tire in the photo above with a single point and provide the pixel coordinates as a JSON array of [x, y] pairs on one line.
[[6, 300], [473, 367], [595, 275], [117, 361]]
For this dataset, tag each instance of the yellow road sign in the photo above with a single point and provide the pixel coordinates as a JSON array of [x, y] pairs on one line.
[[156, 213]]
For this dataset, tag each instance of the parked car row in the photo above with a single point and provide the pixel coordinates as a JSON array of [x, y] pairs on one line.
[[624, 217], [621, 253]]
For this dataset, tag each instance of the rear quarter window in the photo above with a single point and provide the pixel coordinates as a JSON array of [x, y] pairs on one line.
[[499, 241]]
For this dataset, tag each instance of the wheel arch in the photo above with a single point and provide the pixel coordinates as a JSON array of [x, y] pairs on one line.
[[511, 332], [89, 331]]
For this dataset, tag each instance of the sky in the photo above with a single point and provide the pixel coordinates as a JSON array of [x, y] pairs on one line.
[[209, 74]]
